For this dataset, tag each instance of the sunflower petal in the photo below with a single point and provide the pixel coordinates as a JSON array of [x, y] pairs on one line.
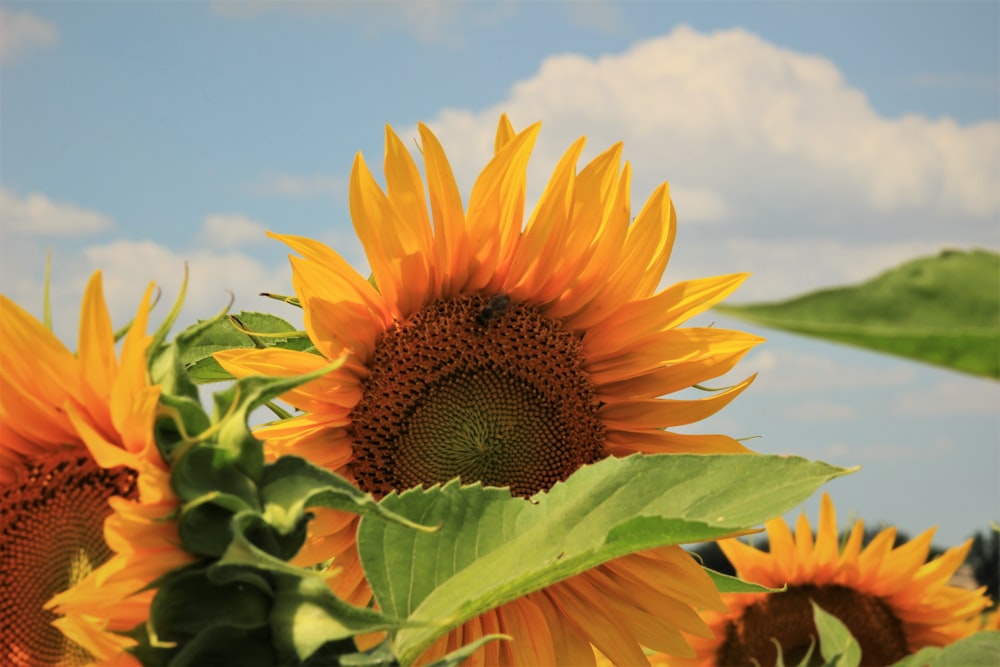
[[450, 233], [664, 412]]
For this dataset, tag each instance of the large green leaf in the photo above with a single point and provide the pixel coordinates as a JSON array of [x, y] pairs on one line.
[[943, 310], [979, 650], [493, 548]]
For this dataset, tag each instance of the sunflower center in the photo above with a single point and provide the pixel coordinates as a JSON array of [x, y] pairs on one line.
[[52, 532], [788, 618], [479, 388]]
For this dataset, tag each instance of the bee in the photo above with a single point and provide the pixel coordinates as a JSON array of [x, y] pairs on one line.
[[497, 306]]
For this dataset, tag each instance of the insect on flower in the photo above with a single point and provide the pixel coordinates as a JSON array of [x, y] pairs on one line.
[[497, 306]]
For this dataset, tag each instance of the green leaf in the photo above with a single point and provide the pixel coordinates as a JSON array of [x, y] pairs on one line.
[[292, 484], [226, 646], [166, 366], [307, 615], [606, 510], [246, 330], [837, 645], [979, 650], [204, 523], [188, 603], [942, 310], [209, 469], [806, 659], [729, 584]]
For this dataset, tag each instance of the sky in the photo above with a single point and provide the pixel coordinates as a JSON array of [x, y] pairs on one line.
[[810, 143]]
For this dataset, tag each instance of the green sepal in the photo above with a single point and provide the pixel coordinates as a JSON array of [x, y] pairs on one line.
[[243, 331], [292, 484], [166, 365], [603, 511], [178, 418], [307, 616], [189, 603], [227, 646], [210, 469], [837, 645], [204, 523], [234, 405], [380, 656], [729, 584]]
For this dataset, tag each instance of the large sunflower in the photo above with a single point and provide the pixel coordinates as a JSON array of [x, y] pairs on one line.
[[511, 355], [892, 600], [75, 433]]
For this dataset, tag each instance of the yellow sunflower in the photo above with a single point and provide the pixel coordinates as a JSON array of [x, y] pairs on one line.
[[75, 434], [892, 600], [512, 355]]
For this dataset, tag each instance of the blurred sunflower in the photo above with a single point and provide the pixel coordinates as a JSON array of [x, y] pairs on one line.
[[75, 434], [892, 600], [509, 355]]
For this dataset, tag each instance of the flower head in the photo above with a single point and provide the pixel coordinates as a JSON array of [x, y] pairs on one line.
[[511, 355], [75, 434], [892, 600]]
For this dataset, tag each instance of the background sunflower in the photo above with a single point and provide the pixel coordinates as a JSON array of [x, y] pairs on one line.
[[72, 430], [890, 598]]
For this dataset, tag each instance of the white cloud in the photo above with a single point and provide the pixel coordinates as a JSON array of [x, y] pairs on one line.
[[952, 396], [699, 204], [128, 266], [229, 230], [22, 31], [734, 113], [820, 411], [291, 185], [805, 182], [786, 371], [37, 214]]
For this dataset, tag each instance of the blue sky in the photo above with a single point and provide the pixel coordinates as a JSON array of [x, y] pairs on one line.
[[812, 144]]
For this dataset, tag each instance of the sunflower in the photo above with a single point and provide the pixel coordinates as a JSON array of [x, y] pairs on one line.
[[892, 600], [511, 355], [75, 434]]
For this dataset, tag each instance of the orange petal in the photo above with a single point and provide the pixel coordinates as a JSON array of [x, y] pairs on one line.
[[660, 413], [450, 234]]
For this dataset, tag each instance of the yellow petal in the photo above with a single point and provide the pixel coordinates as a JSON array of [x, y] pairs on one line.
[[532, 264], [496, 211], [660, 413], [656, 441], [450, 233], [505, 133], [96, 342], [668, 379], [666, 310]]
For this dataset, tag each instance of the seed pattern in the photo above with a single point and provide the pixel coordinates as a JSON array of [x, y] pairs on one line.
[[500, 399], [52, 523], [788, 617]]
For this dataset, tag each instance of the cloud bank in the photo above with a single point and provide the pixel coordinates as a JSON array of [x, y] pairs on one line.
[[21, 32], [36, 214], [773, 147]]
